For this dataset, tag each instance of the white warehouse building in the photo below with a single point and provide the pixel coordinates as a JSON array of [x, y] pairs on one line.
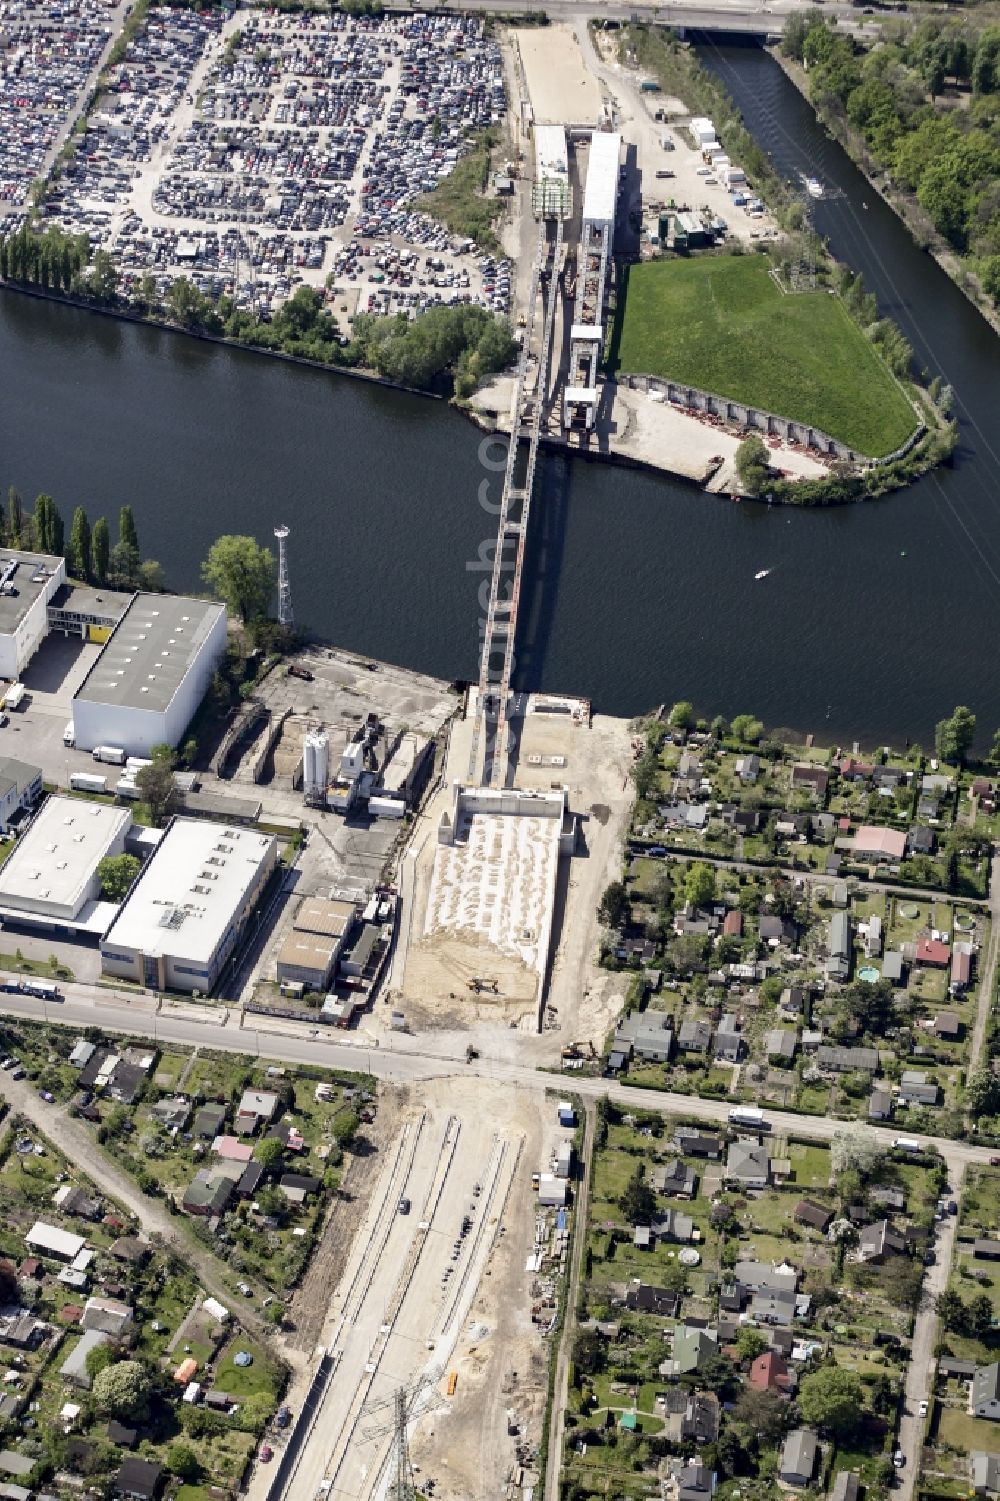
[[28, 580], [52, 878], [152, 673], [190, 906]]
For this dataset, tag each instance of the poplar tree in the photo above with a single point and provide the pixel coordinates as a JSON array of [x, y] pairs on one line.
[[78, 551], [100, 550]]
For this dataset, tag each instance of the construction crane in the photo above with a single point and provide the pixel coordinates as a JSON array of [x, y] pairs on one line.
[[398, 1411]]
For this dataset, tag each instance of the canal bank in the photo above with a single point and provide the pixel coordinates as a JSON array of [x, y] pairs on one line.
[[924, 236]]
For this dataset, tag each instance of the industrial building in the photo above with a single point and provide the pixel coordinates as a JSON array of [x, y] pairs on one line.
[[315, 942], [77, 610], [550, 192], [596, 241], [20, 789], [51, 879], [190, 906], [28, 580], [152, 673]]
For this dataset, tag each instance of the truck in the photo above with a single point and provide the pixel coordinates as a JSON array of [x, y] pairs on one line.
[[14, 696], [748, 1115], [907, 1144], [88, 781], [112, 754], [43, 989], [69, 734]]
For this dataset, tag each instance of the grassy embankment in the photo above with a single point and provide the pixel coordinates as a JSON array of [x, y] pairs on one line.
[[722, 324], [459, 202]]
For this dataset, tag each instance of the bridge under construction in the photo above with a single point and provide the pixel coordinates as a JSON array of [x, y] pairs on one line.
[[538, 380]]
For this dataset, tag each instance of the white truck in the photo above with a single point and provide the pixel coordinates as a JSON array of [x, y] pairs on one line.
[[748, 1115], [87, 781], [907, 1144], [69, 734], [112, 754], [14, 696]]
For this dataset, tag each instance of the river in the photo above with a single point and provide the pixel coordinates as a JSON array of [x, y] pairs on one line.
[[638, 589]]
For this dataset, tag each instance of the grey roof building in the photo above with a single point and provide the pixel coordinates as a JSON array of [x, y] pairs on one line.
[[985, 1400], [846, 1486], [694, 1037], [748, 1162], [781, 1044], [798, 1457], [847, 1060]]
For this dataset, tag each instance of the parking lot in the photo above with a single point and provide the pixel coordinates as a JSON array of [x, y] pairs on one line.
[[262, 152], [49, 51]]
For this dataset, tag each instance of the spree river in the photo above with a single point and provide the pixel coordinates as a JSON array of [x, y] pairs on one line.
[[638, 589]]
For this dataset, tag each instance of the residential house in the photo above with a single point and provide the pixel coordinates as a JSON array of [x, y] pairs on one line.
[[985, 1399], [961, 968], [674, 1178], [747, 1162], [846, 1486], [774, 929], [854, 771], [793, 999], [781, 1045], [880, 1240], [208, 1121], [811, 779], [798, 1457], [838, 963], [139, 1480], [984, 1471], [673, 1225], [816, 1216], [880, 1105], [257, 1107], [690, 1481], [729, 1045], [72, 1200], [172, 1112], [986, 1250], [208, 1193], [889, 1197], [74, 1367], [748, 769], [658, 1300], [732, 924], [742, 820], [769, 1291], [122, 1435], [892, 966], [694, 1143], [842, 1060], [916, 1089], [920, 840], [297, 1187], [769, 1373], [694, 1037], [22, 1330], [691, 1347], [870, 933], [109, 1314], [691, 1417], [647, 1034], [934, 953], [873, 843]]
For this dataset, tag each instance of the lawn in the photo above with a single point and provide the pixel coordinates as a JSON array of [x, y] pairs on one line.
[[722, 324], [965, 1432]]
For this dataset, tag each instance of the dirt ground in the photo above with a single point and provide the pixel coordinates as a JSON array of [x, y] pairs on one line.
[[562, 90]]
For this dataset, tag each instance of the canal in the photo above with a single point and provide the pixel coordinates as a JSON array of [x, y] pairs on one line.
[[639, 589]]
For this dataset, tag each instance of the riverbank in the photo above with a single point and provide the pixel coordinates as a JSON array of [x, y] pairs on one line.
[[903, 206]]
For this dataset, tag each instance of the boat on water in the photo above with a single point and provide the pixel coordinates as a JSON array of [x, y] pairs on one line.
[[814, 187], [763, 573]]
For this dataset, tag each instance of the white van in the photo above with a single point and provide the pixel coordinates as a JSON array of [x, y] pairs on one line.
[[69, 734]]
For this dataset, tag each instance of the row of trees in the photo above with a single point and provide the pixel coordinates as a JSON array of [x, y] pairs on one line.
[[949, 160], [88, 551]]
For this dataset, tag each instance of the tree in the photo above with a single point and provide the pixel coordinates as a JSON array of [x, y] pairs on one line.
[[751, 1342], [242, 573], [151, 576], [117, 872], [994, 756], [832, 1398], [47, 526], [15, 518], [126, 528], [98, 1359], [699, 883], [345, 1127], [100, 550], [682, 715], [124, 566], [588, 1352], [123, 1390], [953, 737], [614, 907], [752, 465], [855, 1149], [747, 729], [78, 550], [638, 1201], [981, 1316], [183, 1462], [717, 1374], [269, 1152], [762, 1412], [156, 784], [982, 1092]]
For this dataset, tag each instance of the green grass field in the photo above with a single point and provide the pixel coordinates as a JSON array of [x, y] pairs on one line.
[[721, 323]]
